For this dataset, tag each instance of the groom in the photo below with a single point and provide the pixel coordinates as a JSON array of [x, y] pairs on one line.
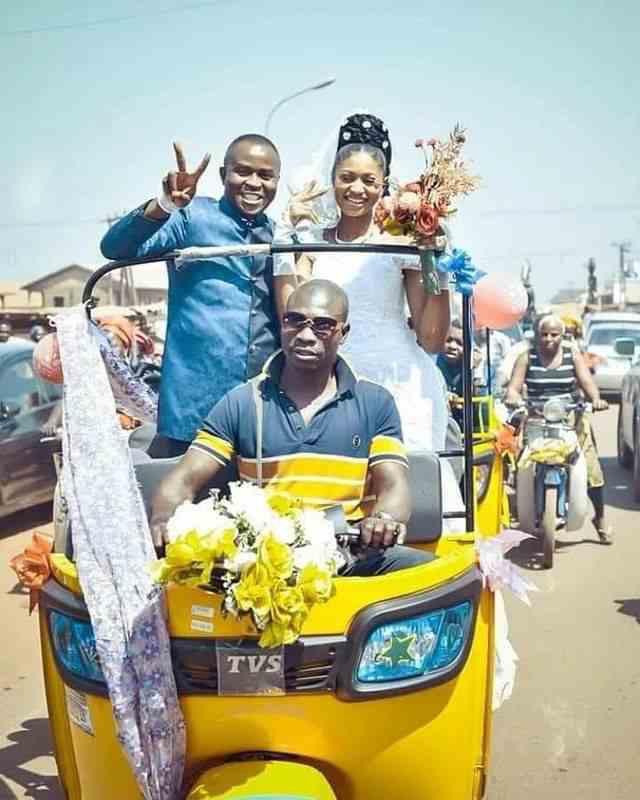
[[222, 324]]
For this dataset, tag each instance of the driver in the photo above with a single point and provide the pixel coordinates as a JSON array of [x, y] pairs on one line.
[[327, 436], [551, 368]]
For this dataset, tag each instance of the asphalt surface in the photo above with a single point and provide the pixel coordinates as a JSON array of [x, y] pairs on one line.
[[571, 729]]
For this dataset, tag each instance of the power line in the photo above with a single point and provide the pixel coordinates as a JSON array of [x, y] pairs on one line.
[[110, 20]]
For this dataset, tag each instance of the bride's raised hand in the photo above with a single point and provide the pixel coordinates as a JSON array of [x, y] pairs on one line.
[[301, 204]]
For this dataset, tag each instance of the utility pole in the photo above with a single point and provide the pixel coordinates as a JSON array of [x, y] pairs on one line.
[[592, 283], [127, 295], [623, 249]]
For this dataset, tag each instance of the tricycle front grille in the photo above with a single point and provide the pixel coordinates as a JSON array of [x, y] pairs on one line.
[[311, 664]]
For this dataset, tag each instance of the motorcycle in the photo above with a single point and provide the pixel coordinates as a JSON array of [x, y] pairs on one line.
[[551, 472]]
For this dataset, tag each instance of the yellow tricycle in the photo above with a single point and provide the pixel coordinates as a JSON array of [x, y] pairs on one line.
[[387, 694]]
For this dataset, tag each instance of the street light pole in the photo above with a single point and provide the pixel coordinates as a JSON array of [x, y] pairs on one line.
[[623, 249], [280, 103]]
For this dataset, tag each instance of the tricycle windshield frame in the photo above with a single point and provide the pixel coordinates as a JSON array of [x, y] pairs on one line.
[[181, 259]]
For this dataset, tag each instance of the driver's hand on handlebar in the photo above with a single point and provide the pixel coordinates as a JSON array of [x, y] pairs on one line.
[[180, 186], [381, 531], [159, 533], [600, 405]]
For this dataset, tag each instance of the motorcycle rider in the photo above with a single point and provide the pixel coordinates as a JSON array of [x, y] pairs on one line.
[[553, 368]]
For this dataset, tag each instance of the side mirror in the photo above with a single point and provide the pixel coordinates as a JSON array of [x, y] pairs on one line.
[[625, 347], [8, 410]]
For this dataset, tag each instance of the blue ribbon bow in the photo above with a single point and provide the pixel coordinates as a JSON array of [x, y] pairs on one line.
[[458, 264]]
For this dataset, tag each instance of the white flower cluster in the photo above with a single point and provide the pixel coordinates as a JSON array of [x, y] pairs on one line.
[[321, 546], [203, 518], [309, 532]]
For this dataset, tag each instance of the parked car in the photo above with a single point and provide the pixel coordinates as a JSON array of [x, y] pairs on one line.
[[629, 420], [601, 339], [621, 318], [27, 473]]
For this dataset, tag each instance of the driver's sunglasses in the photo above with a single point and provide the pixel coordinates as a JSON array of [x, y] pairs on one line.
[[323, 327]]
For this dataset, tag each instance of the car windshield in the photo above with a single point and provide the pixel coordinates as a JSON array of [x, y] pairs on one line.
[[607, 336]]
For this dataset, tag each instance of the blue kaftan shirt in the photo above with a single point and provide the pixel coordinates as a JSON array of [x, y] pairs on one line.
[[222, 323]]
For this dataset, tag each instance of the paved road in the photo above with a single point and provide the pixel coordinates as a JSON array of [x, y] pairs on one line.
[[570, 732], [571, 728], [27, 767]]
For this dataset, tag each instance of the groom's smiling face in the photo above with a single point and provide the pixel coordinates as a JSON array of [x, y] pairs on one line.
[[250, 176]]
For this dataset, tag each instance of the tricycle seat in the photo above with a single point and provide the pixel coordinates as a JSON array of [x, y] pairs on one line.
[[425, 524]]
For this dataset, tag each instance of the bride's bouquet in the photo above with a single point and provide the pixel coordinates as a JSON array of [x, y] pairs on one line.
[[418, 209], [269, 557]]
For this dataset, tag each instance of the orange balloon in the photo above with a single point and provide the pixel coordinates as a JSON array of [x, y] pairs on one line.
[[499, 301], [46, 359]]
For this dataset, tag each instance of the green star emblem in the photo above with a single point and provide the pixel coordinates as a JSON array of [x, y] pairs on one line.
[[397, 649]]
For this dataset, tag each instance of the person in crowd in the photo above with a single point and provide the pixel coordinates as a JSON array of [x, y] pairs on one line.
[[222, 323], [450, 360], [5, 331], [553, 368], [355, 165], [488, 372], [320, 421], [449, 363], [37, 332]]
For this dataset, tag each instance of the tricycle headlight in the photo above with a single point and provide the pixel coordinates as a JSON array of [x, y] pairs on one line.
[[75, 646], [554, 410], [417, 646]]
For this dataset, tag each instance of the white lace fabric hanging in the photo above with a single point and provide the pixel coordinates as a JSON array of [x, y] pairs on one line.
[[113, 547]]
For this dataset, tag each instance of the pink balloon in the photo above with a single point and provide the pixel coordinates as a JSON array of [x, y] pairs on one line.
[[499, 301], [46, 359]]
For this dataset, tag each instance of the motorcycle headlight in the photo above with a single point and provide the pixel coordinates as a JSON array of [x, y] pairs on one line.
[[75, 646], [554, 410], [415, 647]]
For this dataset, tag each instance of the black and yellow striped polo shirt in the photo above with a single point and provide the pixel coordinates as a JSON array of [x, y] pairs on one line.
[[324, 462]]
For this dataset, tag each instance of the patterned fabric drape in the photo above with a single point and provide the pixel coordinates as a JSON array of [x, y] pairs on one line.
[[113, 547]]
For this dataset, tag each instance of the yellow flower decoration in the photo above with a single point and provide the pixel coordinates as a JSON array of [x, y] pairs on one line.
[[274, 635], [253, 592], [160, 571], [223, 544], [282, 503], [275, 557], [289, 609], [315, 584], [288, 614], [184, 550]]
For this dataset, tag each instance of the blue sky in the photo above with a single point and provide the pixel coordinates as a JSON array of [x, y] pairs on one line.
[[550, 97]]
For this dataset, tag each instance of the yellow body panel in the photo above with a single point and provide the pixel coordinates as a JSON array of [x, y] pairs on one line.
[[246, 779], [430, 744], [492, 512]]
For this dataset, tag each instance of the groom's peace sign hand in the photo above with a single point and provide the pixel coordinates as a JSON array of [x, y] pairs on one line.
[[181, 186]]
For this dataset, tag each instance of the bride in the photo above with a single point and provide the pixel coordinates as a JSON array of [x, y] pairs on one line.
[[383, 347]]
